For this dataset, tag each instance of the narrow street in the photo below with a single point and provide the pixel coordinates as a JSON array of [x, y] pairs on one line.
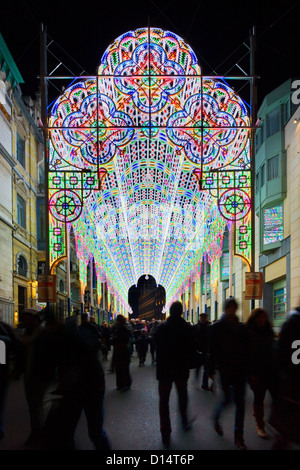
[[132, 422]]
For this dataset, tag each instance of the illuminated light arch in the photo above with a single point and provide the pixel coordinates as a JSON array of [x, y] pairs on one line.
[[149, 162]]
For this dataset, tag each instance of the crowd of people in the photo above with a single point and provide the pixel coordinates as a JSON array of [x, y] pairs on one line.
[[65, 361]]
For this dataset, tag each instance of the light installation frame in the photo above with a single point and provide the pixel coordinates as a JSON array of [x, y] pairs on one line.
[[66, 210]]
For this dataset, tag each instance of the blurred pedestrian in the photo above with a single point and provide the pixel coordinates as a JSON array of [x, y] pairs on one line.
[[90, 331], [121, 341], [285, 416], [11, 362], [38, 369], [142, 347], [174, 341], [201, 337], [106, 334], [152, 329], [262, 374], [80, 387], [229, 352]]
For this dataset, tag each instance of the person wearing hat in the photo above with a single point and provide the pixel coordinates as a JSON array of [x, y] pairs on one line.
[[38, 369]]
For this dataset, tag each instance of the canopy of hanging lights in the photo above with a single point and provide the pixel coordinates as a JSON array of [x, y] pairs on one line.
[[149, 161]]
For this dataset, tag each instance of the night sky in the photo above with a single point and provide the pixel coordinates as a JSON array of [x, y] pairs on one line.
[[215, 30]]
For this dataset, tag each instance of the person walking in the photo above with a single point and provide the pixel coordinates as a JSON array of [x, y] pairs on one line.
[[11, 363], [80, 386], [285, 414], [121, 341], [106, 334], [174, 342], [262, 375], [229, 352], [201, 336], [39, 370], [142, 347], [152, 329]]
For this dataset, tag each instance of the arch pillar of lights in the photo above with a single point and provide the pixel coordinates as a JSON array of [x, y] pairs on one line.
[[149, 161]]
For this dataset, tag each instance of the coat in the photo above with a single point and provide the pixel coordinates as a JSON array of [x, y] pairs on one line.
[[174, 341], [228, 348]]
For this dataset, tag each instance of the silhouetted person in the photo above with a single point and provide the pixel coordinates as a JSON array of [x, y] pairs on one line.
[[38, 369], [152, 329], [229, 352], [285, 417], [80, 388], [90, 331], [121, 341], [12, 353], [201, 337], [262, 375], [142, 347], [106, 334], [174, 341]]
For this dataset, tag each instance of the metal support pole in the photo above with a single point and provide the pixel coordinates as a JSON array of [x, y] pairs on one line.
[[253, 119], [68, 270], [205, 283], [91, 286], [230, 233], [103, 300], [44, 119], [192, 301], [216, 304], [82, 302]]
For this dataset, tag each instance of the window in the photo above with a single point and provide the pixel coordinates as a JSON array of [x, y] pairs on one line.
[[22, 266], [208, 280], [224, 266], [273, 224], [257, 182], [41, 224], [61, 286], [22, 300], [21, 211], [258, 139], [41, 175], [273, 168], [279, 300], [20, 150], [273, 122], [262, 176]]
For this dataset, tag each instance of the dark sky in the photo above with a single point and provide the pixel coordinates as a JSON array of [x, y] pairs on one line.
[[215, 30]]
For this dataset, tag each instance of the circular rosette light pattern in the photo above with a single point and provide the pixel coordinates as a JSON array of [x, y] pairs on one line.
[[65, 206], [234, 204], [88, 128], [210, 126]]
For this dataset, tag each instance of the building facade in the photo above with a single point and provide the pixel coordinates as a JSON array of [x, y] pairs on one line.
[[10, 78], [276, 204]]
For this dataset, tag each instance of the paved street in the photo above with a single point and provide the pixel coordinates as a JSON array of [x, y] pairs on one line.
[[131, 418]]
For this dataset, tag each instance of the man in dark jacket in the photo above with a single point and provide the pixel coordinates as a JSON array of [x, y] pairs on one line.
[[285, 415], [174, 341], [229, 352], [201, 336]]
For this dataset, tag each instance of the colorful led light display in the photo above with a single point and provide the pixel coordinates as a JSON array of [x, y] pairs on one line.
[[149, 161], [273, 224]]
